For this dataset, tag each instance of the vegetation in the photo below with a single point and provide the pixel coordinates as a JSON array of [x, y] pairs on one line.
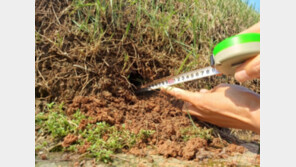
[[196, 132], [104, 140], [142, 40], [193, 26]]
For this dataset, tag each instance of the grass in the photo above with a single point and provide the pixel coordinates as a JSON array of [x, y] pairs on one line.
[[105, 140], [196, 132], [150, 38], [194, 26]]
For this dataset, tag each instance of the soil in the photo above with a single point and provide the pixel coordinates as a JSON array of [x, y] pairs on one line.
[[154, 111], [83, 149], [69, 139], [90, 77]]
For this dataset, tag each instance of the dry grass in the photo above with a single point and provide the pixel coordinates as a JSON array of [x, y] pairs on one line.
[[83, 47]]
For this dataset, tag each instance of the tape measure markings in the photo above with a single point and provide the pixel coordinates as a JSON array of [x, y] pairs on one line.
[[189, 76]]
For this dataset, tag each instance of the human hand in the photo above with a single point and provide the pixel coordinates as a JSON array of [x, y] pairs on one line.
[[251, 68], [226, 105]]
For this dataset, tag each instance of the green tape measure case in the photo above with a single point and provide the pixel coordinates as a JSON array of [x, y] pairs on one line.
[[233, 51]]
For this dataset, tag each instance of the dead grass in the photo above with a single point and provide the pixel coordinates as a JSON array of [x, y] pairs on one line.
[[84, 47]]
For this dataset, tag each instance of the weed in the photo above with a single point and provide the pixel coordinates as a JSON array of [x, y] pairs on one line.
[[40, 118], [194, 131], [107, 140], [78, 117], [144, 134], [72, 148], [50, 105], [38, 147], [58, 125]]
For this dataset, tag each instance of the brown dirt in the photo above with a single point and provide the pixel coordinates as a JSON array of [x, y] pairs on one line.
[[43, 156], [69, 139], [192, 147], [155, 111], [82, 149], [170, 149], [82, 124], [232, 148], [218, 143]]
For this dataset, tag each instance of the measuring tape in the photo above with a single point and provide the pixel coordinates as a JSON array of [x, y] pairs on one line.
[[227, 56]]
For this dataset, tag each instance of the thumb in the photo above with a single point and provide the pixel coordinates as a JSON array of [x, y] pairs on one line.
[[248, 70], [182, 94]]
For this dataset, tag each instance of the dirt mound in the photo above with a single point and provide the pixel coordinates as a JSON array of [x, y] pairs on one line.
[[192, 147], [157, 112], [69, 139]]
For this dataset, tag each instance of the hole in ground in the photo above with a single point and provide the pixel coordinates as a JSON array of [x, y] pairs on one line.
[[136, 79]]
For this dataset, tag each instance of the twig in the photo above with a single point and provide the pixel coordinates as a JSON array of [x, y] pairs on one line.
[[65, 10], [128, 81], [54, 45], [86, 85], [55, 15], [83, 68], [70, 122], [106, 62]]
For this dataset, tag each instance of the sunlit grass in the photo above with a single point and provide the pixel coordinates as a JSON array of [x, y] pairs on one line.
[[194, 25]]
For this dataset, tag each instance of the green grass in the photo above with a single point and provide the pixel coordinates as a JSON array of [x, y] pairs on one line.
[[196, 132], [193, 131], [151, 38], [105, 140], [192, 27]]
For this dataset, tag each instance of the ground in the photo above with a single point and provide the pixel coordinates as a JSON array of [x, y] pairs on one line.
[[92, 55]]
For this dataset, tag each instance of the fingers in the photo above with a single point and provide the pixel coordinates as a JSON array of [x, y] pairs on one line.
[[248, 70], [182, 94], [204, 91], [251, 68], [254, 28]]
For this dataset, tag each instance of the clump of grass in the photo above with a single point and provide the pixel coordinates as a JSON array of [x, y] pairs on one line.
[[105, 140], [194, 132], [58, 125], [55, 122], [145, 134]]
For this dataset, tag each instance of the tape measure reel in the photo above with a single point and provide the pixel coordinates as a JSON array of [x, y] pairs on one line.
[[233, 51]]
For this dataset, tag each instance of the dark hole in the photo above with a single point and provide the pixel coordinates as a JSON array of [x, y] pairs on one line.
[[136, 79], [41, 92]]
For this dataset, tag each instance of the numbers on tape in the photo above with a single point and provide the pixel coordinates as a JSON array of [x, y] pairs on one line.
[[189, 76]]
